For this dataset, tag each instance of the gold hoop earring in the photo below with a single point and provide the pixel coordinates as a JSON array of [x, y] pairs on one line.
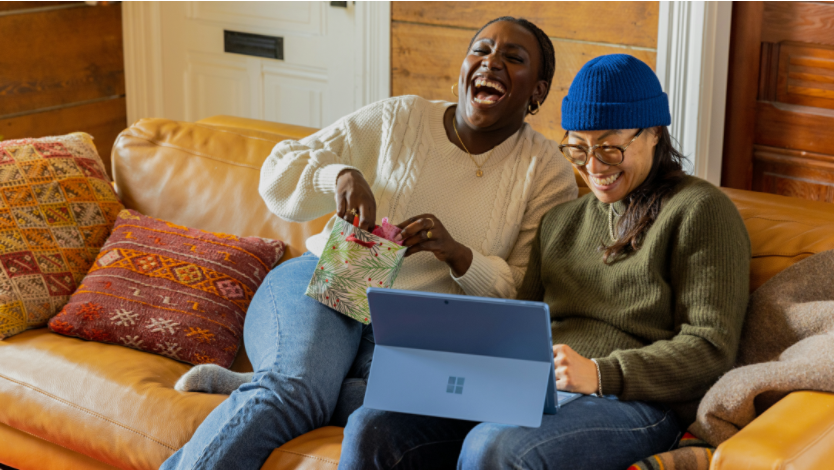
[[453, 90], [538, 108]]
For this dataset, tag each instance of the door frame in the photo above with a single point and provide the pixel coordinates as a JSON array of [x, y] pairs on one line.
[[693, 50], [142, 30]]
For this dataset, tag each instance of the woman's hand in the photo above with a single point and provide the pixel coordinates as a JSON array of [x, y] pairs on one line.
[[574, 373], [353, 193], [426, 233]]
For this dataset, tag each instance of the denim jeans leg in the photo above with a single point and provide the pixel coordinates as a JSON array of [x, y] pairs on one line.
[[377, 439], [301, 352], [590, 433], [352, 394]]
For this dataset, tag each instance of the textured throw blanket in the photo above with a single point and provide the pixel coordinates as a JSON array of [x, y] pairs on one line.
[[787, 344]]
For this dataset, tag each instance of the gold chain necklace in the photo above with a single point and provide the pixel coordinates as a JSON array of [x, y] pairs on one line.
[[479, 172]]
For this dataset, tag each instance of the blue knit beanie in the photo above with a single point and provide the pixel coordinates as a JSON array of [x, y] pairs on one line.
[[615, 91]]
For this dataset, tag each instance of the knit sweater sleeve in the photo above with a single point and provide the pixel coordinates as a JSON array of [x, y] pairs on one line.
[[709, 273], [493, 276], [532, 287], [298, 179]]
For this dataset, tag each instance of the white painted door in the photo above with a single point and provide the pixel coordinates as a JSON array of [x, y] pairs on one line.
[[321, 78]]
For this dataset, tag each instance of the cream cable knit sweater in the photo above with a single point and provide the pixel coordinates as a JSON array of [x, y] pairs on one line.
[[401, 148]]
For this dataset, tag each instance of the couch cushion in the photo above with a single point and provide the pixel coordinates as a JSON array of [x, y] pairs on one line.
[[174, 171], [169, 289], [72, 392], [56, 210]]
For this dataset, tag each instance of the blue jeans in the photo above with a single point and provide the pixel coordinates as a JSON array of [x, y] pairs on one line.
[[305, 355], [589, 433]]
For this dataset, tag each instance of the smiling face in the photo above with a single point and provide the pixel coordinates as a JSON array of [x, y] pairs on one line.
[[611, 183], [500, 76]]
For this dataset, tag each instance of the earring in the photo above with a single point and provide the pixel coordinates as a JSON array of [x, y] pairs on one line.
[[453, 90], [538, 108]]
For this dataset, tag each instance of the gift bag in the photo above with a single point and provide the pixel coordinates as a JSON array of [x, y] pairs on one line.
[[352, 261]]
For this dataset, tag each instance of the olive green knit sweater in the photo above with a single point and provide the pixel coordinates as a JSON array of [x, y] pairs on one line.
[[664, 322]]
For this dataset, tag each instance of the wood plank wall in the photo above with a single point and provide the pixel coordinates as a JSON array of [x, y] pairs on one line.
[[429, 41], [63, 71]]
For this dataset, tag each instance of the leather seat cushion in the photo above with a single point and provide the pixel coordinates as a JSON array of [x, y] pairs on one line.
[[45, 385]]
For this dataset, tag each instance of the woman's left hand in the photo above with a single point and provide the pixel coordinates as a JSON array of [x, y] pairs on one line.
[[574, 373], [426, 233]]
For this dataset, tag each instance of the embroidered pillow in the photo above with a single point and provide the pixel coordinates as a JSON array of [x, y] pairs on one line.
[[170, 290], [56, 210]]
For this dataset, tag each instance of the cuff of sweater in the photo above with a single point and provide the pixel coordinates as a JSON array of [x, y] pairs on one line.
[[479, 279], [612, 377], [324, 179]]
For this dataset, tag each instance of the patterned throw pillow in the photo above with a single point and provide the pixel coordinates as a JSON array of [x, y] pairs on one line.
[[170, 290], [56, 210]]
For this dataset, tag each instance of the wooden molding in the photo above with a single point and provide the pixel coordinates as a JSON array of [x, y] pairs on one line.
[[692, 63], [373, 28], [142, 26], [740, 120], [793, 173]]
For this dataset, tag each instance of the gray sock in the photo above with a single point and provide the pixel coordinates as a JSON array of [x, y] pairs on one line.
[[211, 378]]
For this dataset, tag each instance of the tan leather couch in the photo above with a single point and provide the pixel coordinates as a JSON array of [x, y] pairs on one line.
[[66, 403]]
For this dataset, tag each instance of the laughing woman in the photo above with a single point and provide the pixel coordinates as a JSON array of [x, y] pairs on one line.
[[646, 279], [469, 182]]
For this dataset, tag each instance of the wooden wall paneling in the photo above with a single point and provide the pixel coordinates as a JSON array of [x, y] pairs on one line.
[[628, 23], [740, 120], [11, 6], [426, 61], [811, 22], [60, 57], [794, 173], [806, 75], [795, 127], [769, 72], [103, 120]]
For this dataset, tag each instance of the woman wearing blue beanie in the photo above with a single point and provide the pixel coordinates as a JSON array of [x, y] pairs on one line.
[[646, 278]]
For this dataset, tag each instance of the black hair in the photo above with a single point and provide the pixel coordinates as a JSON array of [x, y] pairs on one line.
[[547, 65], [646, 201]]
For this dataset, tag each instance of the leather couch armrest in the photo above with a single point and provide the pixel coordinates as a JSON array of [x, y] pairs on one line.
[[795, 433]]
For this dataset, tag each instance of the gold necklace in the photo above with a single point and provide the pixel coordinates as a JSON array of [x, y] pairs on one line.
[[479, 172]]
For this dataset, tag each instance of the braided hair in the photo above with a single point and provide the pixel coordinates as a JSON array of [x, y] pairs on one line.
[[547, 65]]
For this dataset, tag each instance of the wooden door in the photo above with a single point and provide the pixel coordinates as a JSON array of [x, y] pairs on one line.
[[779, 135]]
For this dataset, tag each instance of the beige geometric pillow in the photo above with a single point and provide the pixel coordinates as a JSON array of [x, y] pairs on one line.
[[57, 207]]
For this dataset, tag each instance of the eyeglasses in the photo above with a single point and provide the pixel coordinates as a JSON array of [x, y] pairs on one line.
[[611, 155]]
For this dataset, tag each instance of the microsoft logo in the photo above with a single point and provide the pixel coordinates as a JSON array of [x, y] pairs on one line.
[[455, 385]]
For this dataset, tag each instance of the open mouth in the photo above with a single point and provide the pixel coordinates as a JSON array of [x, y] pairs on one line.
[[606, 181], [488, 91]]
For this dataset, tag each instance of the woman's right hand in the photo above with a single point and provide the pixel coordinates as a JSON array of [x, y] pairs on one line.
[[354, 193]]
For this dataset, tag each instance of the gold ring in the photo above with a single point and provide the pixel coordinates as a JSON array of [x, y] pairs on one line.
[[428, 234]]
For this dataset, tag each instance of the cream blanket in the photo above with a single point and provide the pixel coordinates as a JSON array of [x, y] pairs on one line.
[[787, 344]]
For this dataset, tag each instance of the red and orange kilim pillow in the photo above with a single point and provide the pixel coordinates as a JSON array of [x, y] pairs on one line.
[[56, 210], [170, 290]]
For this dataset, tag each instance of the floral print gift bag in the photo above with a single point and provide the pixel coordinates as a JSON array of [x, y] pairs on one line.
[[352, 261]]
